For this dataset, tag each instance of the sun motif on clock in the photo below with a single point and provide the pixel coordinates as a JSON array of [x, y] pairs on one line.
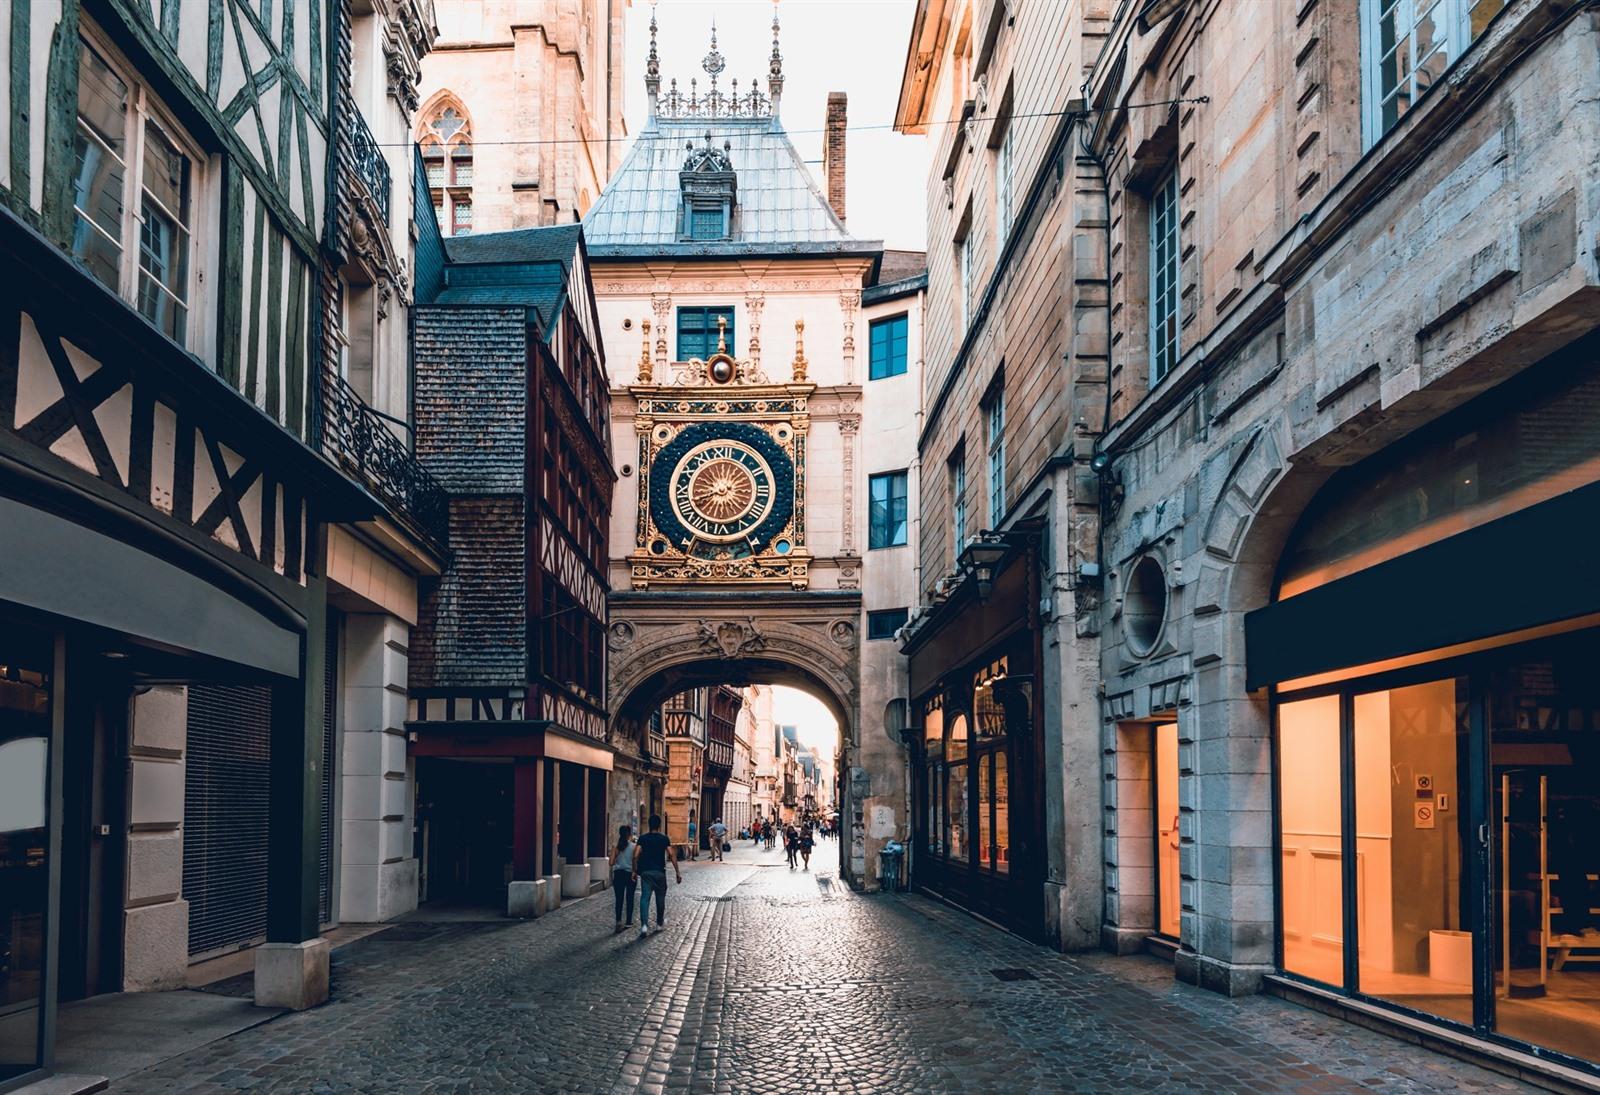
[[721, 491]]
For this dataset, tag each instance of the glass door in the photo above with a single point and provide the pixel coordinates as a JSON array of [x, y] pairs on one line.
[[1165, 797], [25, 733]]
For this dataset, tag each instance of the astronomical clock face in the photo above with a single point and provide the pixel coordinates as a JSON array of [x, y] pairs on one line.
[[721, 491], [722, 468]]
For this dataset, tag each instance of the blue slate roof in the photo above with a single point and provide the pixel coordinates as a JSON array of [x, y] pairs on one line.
[[780, 208], [527, 267]]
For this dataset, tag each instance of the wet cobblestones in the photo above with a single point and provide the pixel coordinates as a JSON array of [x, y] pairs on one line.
[[767, 980]]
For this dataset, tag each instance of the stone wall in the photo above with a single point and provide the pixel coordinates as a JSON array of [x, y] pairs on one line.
[[1458, 251]]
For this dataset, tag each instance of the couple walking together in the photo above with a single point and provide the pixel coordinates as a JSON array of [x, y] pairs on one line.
[[642, 861]]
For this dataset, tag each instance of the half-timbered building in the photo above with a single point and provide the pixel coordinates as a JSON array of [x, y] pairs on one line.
[[187, 483], [508, 715]]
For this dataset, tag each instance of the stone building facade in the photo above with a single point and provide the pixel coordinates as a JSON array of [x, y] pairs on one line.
[[1006, 509], [1333, 313], [521, 116], [719, 258]]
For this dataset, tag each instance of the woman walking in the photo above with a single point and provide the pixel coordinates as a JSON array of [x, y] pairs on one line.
[[622, 883], [805, 841]]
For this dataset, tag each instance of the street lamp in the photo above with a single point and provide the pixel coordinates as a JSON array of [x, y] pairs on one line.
[[981, 558]]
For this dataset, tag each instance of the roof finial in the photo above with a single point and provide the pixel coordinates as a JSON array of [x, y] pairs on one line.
[[713, 63], [775, 65], [799, 351], [652, 66], [645, 372]]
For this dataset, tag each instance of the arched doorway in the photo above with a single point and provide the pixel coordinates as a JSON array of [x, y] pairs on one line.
[[662, 645]]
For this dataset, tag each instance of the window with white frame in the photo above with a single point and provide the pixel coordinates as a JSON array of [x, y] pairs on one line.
[[1406, 46], [958, 498], [1002, 186], [994, 413], [134, 193], [1163, 277]]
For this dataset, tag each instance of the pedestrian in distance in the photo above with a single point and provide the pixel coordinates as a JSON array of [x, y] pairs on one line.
[[719, 834], [650, 858], [806, 843], [694, 841], [622, 877], [791, 845]]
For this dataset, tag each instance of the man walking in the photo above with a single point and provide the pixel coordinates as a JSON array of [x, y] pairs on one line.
[[719, 833], [650, 857]]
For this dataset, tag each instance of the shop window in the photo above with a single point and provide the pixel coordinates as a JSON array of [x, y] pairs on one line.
[[148, 199], [989, 758], [933, 779], [1311, 839], [1544, 725], [24, 846], [957, 846], [1415, 947]]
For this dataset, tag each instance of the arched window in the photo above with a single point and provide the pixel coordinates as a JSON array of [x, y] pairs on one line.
[[445, 138]]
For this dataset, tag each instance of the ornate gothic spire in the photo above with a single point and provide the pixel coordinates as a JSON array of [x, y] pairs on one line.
[[652, 66], [716, 104], [775, 65]]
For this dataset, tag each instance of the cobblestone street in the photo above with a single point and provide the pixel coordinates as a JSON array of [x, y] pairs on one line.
[[767, 979]]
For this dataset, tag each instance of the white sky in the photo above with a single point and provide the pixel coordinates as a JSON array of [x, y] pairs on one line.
[[854, 46], [817, 729]]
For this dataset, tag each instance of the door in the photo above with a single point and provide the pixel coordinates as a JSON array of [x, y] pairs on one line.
[[94, 830], [1165, 796]]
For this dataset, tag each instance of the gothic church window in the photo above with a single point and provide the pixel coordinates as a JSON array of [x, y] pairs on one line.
[[446, 140]]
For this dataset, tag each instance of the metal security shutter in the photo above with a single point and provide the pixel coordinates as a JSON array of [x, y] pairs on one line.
[[225, 816], [330, 742]]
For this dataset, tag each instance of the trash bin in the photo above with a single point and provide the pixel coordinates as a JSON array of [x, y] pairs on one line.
[[891, 867]]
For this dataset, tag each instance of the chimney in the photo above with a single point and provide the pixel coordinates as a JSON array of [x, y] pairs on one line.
[[833, 151]]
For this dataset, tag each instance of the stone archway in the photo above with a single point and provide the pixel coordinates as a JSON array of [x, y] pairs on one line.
[[662, 643]]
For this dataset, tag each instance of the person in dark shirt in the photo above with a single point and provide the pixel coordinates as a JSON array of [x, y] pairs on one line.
[[651, 855]]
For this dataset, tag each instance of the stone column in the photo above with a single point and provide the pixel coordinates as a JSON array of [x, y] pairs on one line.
[[155, 928], [377, 874]]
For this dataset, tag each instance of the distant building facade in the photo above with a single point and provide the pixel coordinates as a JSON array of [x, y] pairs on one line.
[[521, 111]]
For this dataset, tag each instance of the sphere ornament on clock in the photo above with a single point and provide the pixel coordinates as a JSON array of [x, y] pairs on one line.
[[721, 490]]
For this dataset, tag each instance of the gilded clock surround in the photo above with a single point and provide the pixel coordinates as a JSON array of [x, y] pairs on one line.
[[722, 461]]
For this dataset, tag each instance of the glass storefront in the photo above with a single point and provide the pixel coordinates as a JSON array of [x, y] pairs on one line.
[[25, 663], [1439, 835], [967, 794]]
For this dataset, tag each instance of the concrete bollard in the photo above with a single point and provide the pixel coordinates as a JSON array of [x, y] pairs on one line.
[[552, 892], [575, 880], [599, 871], [522, 899]]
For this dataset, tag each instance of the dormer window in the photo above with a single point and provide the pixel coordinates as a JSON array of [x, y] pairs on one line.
[[710, 192]]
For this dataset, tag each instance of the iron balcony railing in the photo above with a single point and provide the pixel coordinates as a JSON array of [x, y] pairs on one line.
[[360, 442], [371, 167]]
